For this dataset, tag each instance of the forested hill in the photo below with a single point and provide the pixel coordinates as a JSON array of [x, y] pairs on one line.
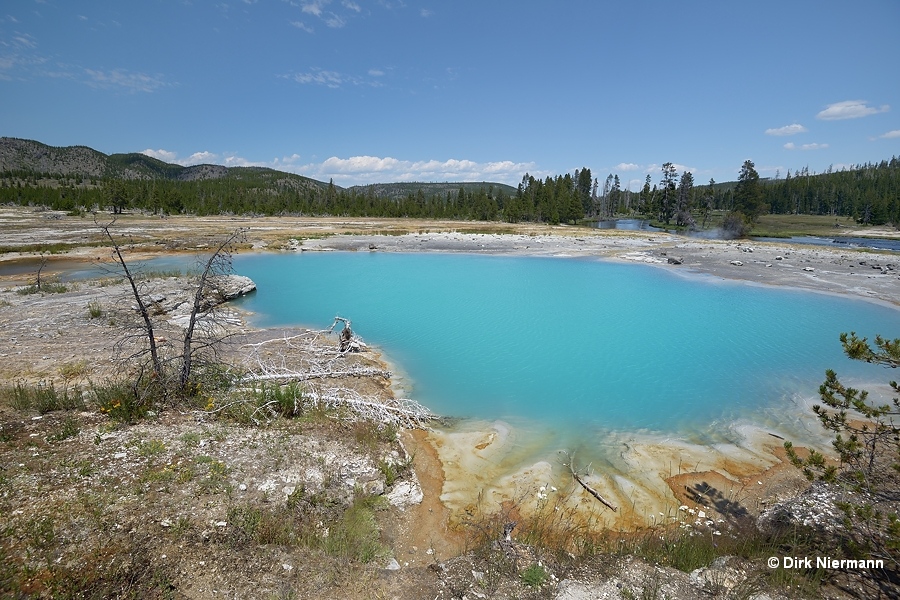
[[79, 178], [29, 158]]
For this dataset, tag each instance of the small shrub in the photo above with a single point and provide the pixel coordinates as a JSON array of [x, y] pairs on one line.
[[73, 370], [243, 522], [17, 397], [216, 479], [392, 471], [164, 475], [181, 526], [125, 401], [534, 575], [369, 435], [95, 310], [736, 225], [42, 397], [279, 400], [190, 439], [355, 535], [158, 274], [151, 448], [185, 474], [68, 429]]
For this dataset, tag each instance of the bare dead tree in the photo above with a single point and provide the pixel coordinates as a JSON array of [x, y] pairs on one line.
[[37, 279], [218, 264], [147, 322], [202, 330]]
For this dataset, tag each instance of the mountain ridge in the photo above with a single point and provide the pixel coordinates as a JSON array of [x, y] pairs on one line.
[[34, 157]]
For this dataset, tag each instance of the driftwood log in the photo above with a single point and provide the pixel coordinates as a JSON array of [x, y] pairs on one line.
[[571, 465]]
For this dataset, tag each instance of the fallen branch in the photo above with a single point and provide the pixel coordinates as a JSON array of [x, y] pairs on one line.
[[571, 465], [297, 376], [304, 357], [401, 412]]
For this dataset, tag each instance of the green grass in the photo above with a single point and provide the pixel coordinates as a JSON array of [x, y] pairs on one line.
[[158, 274], [355, 535], [42, 397], [69, 429], [48, 248], [800, 225], [784, 226], [312, 522], [48, 287], [151, 448]]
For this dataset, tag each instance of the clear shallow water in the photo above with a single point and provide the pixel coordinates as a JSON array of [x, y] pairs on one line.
[[572, 343]]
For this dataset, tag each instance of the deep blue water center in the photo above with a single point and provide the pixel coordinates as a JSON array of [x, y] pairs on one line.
[[569, 342]]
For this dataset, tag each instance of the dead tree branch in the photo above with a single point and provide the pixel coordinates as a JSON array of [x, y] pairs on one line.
[[219, 263], [401, 412], [141, 305], [570, 464], [306, 356]]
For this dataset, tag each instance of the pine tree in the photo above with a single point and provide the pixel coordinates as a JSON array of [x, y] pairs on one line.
[[667, 188], [748, 196], [683, 216]]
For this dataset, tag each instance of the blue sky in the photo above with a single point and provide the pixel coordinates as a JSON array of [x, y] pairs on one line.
[[366, 91]]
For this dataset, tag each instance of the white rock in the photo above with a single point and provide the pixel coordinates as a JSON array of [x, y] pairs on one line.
[[405, 494]]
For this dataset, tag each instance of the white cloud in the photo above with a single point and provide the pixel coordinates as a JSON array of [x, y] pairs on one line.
[[303, 26], [627, 167], [890, 135], [330, 79], [313, 8], [333, 16], [850, 109], [787, 130], [333, 79], [363, 170], [23, 40], [792, 146], [425, 13], [163, 155], [123, 79], [197, 158]]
